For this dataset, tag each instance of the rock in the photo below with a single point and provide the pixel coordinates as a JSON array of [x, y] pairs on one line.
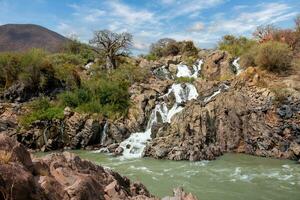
[[179, 194], [68, 112], [239, 119], [88, 135], [217, 66], [285, 111], [118, 151], [60, 176], [19, 92]]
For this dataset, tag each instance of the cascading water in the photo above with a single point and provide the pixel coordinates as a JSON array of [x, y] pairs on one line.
[[221, 88], [103, 137], [134, 146], [237, 66]]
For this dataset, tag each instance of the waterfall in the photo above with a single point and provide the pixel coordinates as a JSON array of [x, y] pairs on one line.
[[103, 137], [237, 66], [184, 71], [134, 146], [197, 68], [222, 87]]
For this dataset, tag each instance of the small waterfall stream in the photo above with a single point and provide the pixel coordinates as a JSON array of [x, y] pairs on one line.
[[237, 66]]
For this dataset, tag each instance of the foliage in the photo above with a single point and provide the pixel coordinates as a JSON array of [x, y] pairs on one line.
[[111, 45], [42, 109], [274, 56], [170, 47], [9, 68], [184, 80], [82, 51], [264, 32], [236, 46]]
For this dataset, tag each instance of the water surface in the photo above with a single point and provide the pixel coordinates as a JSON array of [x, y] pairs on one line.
[[230, 177]]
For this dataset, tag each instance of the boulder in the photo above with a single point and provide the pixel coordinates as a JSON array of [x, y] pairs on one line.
[[60, 176]]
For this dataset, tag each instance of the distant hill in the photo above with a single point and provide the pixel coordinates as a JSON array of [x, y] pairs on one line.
[[21, 37]]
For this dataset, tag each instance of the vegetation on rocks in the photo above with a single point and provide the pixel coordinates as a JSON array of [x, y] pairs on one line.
[[170, 47]]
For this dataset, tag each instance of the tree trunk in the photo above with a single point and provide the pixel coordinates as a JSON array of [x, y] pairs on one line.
[[110, 62]]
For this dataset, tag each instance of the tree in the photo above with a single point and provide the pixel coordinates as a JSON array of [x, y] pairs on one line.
[[158, 48], [265, 32], [297, 23], [112, 45]]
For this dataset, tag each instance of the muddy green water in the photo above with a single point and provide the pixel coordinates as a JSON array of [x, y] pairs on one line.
[[230, 177]]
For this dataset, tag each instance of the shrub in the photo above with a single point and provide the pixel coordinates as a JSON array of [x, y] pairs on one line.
[[187, 48], [184, 80], [236, 46], [274, 56], [170, 47], [248, 58], [42, 109], [9, 68]]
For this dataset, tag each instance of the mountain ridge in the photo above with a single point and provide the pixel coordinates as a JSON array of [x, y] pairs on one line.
[[21, 37]]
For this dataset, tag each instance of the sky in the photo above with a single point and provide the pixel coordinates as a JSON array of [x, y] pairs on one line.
[[203, 21]]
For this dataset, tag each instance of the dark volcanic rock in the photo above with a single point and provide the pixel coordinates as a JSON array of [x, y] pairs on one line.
[[242, 119]]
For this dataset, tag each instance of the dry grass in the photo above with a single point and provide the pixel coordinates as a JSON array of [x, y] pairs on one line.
[[4, 157]]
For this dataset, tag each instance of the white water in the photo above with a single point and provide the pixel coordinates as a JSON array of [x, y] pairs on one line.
[[197, 68], [237, 66], [103, 137], [184, 71], [134, 146], [221, 88]]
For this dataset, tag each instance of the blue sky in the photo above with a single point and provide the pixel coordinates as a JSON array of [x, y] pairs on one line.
[[203, 21]]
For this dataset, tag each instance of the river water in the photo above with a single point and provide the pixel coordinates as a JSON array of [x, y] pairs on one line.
[[230, 177]]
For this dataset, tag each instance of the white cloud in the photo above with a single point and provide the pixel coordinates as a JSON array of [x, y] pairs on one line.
[[130, 15], [198, 26], [94, 15]]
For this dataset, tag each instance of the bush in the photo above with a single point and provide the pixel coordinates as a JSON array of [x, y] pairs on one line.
[[248, 58], [9, 68], [236, 46], [274, 56], [184, 80], [169, 47], [42, 109]]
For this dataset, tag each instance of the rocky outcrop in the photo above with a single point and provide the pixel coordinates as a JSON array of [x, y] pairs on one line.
[[59, 176], [217, 66], [245, 119], [63, 176], [179, 194]]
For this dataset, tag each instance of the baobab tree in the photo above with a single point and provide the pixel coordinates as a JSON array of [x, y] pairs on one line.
[[111, 45]]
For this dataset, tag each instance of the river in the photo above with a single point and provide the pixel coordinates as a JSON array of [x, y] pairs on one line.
[[230, 177]]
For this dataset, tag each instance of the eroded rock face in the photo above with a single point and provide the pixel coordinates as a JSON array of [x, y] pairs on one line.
[[60, 176], [217, 65], [242, 119]]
